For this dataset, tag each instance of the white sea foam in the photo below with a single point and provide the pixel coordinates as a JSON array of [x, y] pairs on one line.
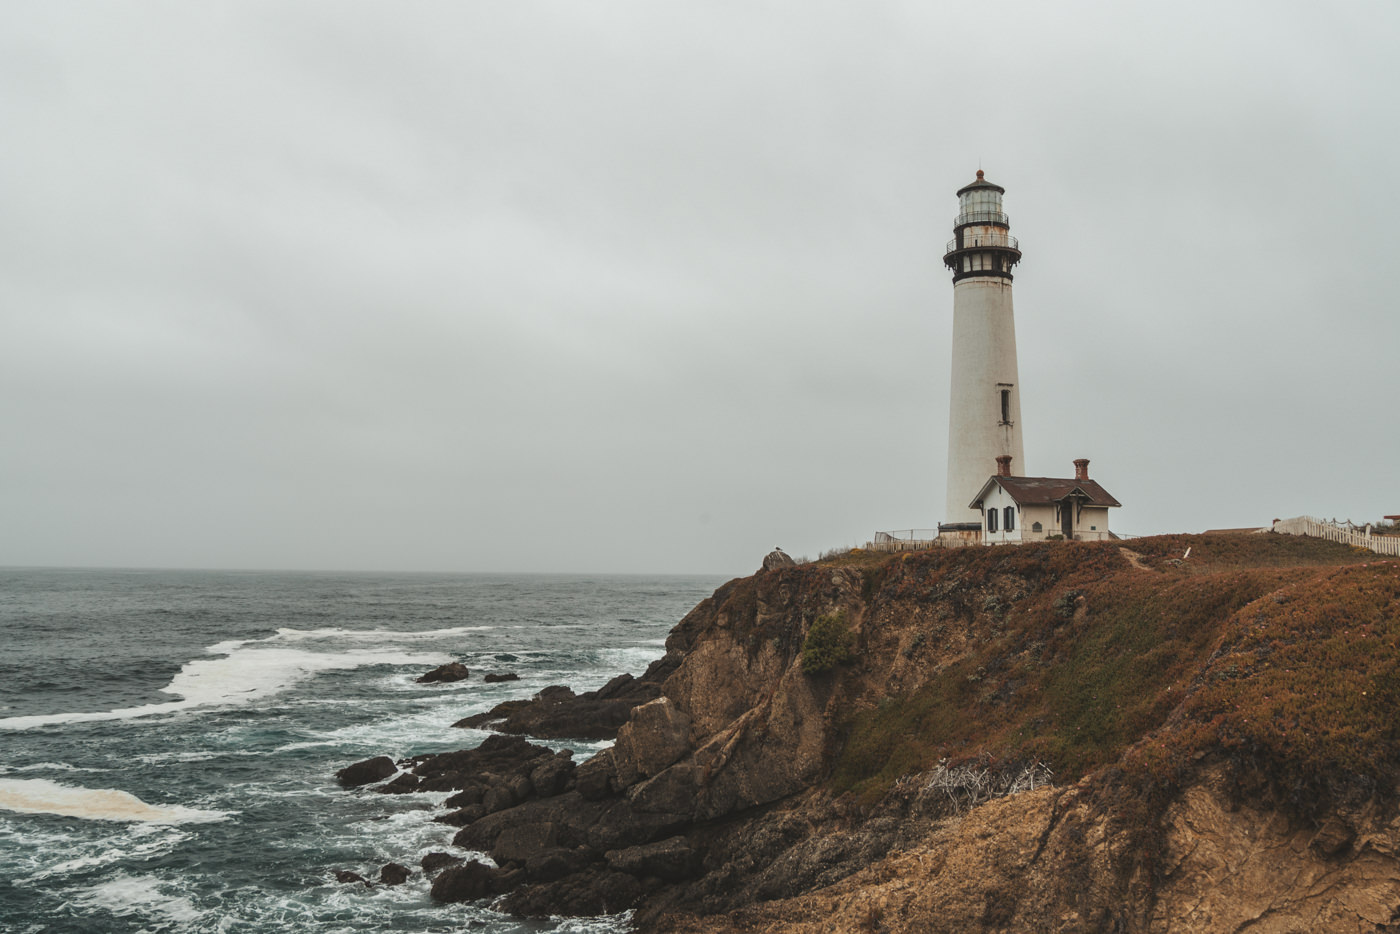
[[231, 646], [47, 767], [41, 796], [125, 896], [245, 674], [633, 658], [134, 842], [602, 924], [375, 635]]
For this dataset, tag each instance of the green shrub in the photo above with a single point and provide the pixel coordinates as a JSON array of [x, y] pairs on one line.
[[830, 642]]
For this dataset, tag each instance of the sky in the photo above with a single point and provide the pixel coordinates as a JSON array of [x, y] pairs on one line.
[[653, 287]]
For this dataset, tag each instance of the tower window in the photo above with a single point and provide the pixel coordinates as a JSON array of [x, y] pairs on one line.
[[992, 519], [1010, 515], [1006, 406]]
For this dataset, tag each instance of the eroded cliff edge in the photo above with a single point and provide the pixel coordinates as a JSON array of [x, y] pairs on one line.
[[1221, 732]]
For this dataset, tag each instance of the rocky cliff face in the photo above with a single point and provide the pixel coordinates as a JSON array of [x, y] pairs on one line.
[[865, 744]]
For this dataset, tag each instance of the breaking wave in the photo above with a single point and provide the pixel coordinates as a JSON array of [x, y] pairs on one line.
[[250, 669]]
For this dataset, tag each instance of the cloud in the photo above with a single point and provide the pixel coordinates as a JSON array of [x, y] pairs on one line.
[[619, 286]]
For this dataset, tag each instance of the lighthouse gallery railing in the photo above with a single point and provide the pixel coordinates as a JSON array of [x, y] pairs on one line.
[[975, 243]]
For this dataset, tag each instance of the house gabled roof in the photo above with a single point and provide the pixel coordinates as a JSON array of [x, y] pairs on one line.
[[1037, 491]]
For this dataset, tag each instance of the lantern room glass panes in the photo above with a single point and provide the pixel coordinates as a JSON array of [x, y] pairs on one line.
[[980, 200]]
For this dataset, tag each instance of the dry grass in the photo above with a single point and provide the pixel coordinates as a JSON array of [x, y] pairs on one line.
[[1275, 646]]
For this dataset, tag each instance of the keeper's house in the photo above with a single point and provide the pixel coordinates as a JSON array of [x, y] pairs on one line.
[[1032, 509]]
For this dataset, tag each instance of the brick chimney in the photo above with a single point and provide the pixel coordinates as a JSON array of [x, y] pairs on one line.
[[1004, 465], [1081, 468]]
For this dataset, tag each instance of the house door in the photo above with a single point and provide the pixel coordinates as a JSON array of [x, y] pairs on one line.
[[1067, 519]]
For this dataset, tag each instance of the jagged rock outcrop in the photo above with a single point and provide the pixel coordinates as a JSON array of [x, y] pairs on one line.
[[557, 713], [777, 558], [1215, 768], [367, 772], [394, 874], [445, 674]]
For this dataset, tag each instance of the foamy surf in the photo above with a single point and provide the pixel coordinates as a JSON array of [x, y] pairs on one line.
[[126, 896], [41, 796], [376, 635], [242, 676]]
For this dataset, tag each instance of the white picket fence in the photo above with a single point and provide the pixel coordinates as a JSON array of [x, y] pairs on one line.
[[1346, 534]]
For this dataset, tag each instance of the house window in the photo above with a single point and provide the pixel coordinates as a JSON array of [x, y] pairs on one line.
[[1010, 514], [992, 519]]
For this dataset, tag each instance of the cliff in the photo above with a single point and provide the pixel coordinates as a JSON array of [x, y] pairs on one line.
[[1056, 737], [1222, 732]]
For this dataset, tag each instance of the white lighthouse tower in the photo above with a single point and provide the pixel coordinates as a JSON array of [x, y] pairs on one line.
[[985, 421]]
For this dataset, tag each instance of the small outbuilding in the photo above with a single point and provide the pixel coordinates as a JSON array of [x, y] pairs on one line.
[[1032, 509]]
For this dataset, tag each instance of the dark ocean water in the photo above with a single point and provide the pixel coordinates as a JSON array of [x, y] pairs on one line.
[[168, 739]]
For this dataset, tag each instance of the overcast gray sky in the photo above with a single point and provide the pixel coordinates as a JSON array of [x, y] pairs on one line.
[[651, 286]]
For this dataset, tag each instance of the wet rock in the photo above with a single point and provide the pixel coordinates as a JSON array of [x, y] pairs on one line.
[[345, 877], [572, 815], [472, 794], [394, 874], [402, 785], [518, 844], [499, 760], [498, 677], [599, 891], [366, 772], [557, 713], [452, 671], [465, 883], [432, 862], [462, 816]]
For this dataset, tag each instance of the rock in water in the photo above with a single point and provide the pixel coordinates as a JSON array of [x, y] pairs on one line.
[[777, 558], [452, 671], [432, 862], [556, 712], [498, 677], [366, 772], [394, 874], [465, 883]]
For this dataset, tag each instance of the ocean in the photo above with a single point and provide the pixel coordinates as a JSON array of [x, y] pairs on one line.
[[169, 739]]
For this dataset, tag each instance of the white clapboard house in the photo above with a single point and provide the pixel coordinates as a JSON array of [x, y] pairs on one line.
[[1032, 509]]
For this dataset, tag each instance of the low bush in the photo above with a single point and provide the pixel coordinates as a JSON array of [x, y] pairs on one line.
[[829, 643]]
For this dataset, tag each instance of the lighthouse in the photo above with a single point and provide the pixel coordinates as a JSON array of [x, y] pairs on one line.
[[984, 423]]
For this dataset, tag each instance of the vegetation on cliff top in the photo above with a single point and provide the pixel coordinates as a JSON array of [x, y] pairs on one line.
[[1278, 648]]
